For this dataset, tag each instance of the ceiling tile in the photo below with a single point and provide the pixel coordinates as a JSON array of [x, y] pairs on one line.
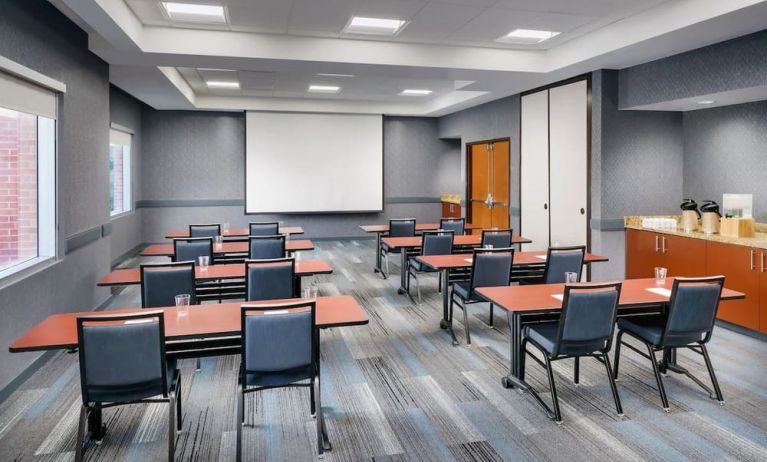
[[497, 21], [329, 16], [264, 16]]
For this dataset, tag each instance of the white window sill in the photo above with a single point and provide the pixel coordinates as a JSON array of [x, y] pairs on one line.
[[117, 216], [16, 273]]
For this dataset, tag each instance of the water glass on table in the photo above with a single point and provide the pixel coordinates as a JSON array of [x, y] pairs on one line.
[[571, 277], [660, 275], [203, 261], [182, 303], [218, 241], [310, 293]]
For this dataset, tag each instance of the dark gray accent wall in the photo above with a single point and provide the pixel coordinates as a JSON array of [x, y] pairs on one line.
[[637, 164], [496, 119], [35, 34], [125, 229], [734, 64], [200, 156], [725, 151]]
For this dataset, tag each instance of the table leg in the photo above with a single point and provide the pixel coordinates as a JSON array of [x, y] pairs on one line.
[[377, 268], [515, 350], [402, 271], [321, 415]]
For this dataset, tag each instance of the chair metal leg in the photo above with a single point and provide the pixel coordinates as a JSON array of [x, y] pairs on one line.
[[710, 367], [492, 306], [198, 365], [240, 422], [179, 422], [171, 427], [312, 407], [320, 439], [577, 370], [464, 306], [617, 354], [658, 378], [552, 385], [83, 422], [613, 386], [418, 288]]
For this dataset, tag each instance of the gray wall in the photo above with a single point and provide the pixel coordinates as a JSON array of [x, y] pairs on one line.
[[734, 64], [125, 111], [637, 164], [725, 151], [193, 158], [36, 35], [496, 119]]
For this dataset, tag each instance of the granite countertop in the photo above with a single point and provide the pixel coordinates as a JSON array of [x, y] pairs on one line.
[[758, 241], [452, 198]]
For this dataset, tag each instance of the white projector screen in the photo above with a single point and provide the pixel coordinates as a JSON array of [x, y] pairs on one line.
[[296, 162]]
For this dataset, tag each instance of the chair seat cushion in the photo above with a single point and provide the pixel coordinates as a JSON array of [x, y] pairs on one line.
[[277, 379], [544, 334], [461, 289], [650, 329]]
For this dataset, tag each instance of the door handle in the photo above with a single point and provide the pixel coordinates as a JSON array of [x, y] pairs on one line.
[[664, 245], [545, 206], [762, 261], [583, 211], [657, 244], [753, 265]]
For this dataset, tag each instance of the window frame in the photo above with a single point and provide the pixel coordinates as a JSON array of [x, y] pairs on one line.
[[128, 202]]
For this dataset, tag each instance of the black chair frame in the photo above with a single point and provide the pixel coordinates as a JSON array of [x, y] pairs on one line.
[[290, 260], [276, 236], [462, 220], [497, 231], [91, 412], [315, 396], [277, 223], [218, 225], [412, 272], [384, 251], [192, 239], [179, 264], [600, 355], [666, 364], [551, 250]]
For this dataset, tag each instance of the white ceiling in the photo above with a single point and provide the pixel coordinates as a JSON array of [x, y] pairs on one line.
[[276, 48]]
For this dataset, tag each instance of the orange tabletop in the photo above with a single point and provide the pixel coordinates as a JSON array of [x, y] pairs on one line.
[[59, 331], [418, 227], [539, 297], [468, 239], [129, 276], [458, 260], [234, 232], [166, 250]]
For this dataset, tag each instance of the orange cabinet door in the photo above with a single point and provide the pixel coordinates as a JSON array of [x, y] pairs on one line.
[[739, 265], [763, 291], [641, 253], [683, 256]]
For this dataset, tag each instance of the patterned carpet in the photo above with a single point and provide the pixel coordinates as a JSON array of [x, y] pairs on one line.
[[397, 390]]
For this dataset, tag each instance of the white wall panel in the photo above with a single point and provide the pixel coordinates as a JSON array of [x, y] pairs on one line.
[[534, 167]]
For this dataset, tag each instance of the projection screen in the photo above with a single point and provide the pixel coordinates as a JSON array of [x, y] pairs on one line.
[[300, 162]]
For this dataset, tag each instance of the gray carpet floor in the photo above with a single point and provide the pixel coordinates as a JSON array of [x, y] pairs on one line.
[[397, 389]]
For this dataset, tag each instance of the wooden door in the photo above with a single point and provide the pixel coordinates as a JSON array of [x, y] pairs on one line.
[[641, 254], [683, 256], [738, 264], [488, 184]]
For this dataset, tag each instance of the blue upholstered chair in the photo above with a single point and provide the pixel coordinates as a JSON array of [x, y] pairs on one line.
[[432, 243], [211, 230], [585, 328], [270, 279], [191, 248], [489, 268], [161, 282], [688, 323], [122, 361], [499, 237], [264, 228], [561, 260], [280, 349], [266, 247], [456, 225], [398, 227]]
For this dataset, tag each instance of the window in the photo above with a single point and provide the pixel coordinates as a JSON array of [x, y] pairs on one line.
[[27, 174], [119, 172]]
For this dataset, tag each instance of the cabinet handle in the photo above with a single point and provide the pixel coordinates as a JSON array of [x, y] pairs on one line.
[[657, 244], [664, 244], [762, 261], [753, 266]]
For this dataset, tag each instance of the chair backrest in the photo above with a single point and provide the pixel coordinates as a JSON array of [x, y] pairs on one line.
[[122, 357], [269, 279], [402, 227], [188, 249], [491, 267], [561, 260], [278, 342], [587, 320], [266, 247], [692, 310], [211, 230], [457, 225], [161, 282], [264, 228], [497, 237], [437, 242]]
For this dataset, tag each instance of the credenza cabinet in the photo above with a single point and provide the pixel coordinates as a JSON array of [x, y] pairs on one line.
[[744, 268]]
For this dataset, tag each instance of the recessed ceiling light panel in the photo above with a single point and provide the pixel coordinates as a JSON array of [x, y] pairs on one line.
[[415, 92], [374, 26], [324, 89], [527, 36], [192, 12], [225, 84], [706, 101], [337, 75]]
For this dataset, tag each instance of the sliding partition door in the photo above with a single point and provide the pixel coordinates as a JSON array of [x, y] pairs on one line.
[[534, 166]]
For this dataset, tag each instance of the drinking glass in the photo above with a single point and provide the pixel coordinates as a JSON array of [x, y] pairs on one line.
[[660, 275], [225, 228], [489, 246], [182, 302], [571, 277], [203, 261], [217, 242], [310, 293]]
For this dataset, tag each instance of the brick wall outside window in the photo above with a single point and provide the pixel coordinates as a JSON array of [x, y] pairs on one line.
[[18, 187]]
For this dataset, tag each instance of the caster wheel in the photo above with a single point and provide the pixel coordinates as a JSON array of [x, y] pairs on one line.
[[506, 383]]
